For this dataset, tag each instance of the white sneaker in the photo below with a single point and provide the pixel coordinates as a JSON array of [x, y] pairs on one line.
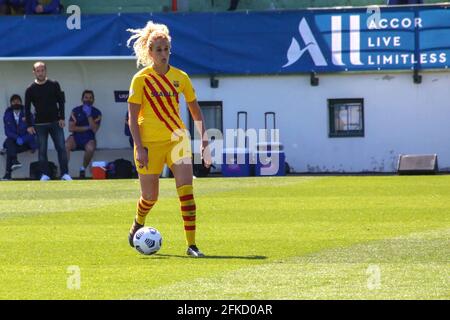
[[16, 165], [45, 177], [194, 252], [66, 177]]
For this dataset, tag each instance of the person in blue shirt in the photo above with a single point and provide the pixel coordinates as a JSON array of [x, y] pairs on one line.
[[4, 8], [18, 139], [84, 123], [41, 6], [20, 7], [17, 7]]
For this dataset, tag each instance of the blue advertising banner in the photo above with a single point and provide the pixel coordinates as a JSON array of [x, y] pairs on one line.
[[271, 42], [120, 95]]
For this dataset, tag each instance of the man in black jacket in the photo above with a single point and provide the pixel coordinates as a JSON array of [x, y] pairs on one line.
[[48, 101]]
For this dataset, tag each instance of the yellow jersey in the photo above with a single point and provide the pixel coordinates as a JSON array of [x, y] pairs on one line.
[[158, 96]]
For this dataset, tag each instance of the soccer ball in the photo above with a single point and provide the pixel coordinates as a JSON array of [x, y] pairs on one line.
[[147, 240]]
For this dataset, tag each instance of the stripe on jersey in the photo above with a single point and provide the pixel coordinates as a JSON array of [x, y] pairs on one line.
[[166, 94], [161, 103], [155, 109], [167, 81]]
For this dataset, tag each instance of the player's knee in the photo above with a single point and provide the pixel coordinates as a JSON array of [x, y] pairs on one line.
[[150, 196]]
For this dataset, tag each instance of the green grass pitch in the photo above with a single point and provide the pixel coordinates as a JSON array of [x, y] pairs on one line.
[[373, 237]]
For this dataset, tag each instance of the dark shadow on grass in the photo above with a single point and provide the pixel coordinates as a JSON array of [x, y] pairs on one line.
[[154, 256], [166, 256]]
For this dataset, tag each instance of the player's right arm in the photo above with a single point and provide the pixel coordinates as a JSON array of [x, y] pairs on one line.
[[134, 107], [133, 114]]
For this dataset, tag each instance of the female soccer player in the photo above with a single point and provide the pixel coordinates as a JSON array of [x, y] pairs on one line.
[[159, 134]]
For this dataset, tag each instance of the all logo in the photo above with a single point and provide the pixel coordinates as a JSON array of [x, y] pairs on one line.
[[295, 51]]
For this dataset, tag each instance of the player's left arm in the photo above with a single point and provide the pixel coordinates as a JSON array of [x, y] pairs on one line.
[[197, 116]]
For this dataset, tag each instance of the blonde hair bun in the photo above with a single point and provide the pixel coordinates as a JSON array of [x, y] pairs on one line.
[[144, 39]]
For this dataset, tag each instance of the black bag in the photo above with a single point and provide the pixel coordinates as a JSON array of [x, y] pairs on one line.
[[200, 171], [119, 169], [35, 170]]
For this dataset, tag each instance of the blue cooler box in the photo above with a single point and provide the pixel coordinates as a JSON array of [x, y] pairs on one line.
[[270, 160], [236, 162]]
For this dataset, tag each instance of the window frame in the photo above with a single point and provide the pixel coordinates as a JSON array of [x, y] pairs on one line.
[[332, 132], [206, 104]]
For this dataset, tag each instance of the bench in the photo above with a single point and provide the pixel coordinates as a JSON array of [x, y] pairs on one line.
[[76, 160]]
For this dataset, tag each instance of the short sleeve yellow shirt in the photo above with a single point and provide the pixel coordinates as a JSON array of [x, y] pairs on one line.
[[158, 96]]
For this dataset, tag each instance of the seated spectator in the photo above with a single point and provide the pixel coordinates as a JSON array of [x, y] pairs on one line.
[[84, 123], [399, 2], [18, 139], [4, 8], [128, 132], [38, 6], [17, 7], [233, 5], [21, 7]]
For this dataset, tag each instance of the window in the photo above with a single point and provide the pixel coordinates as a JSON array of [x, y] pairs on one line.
[[212, 114], [346, 117]]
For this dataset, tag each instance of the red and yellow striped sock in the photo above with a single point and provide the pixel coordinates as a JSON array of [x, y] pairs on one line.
[[186, 195], [143, 208]]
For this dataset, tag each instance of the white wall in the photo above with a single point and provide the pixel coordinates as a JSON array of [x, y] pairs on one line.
[[400, 116], [74, 76]]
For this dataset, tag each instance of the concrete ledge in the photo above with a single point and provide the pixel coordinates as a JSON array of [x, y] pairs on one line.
[[76, 160]]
